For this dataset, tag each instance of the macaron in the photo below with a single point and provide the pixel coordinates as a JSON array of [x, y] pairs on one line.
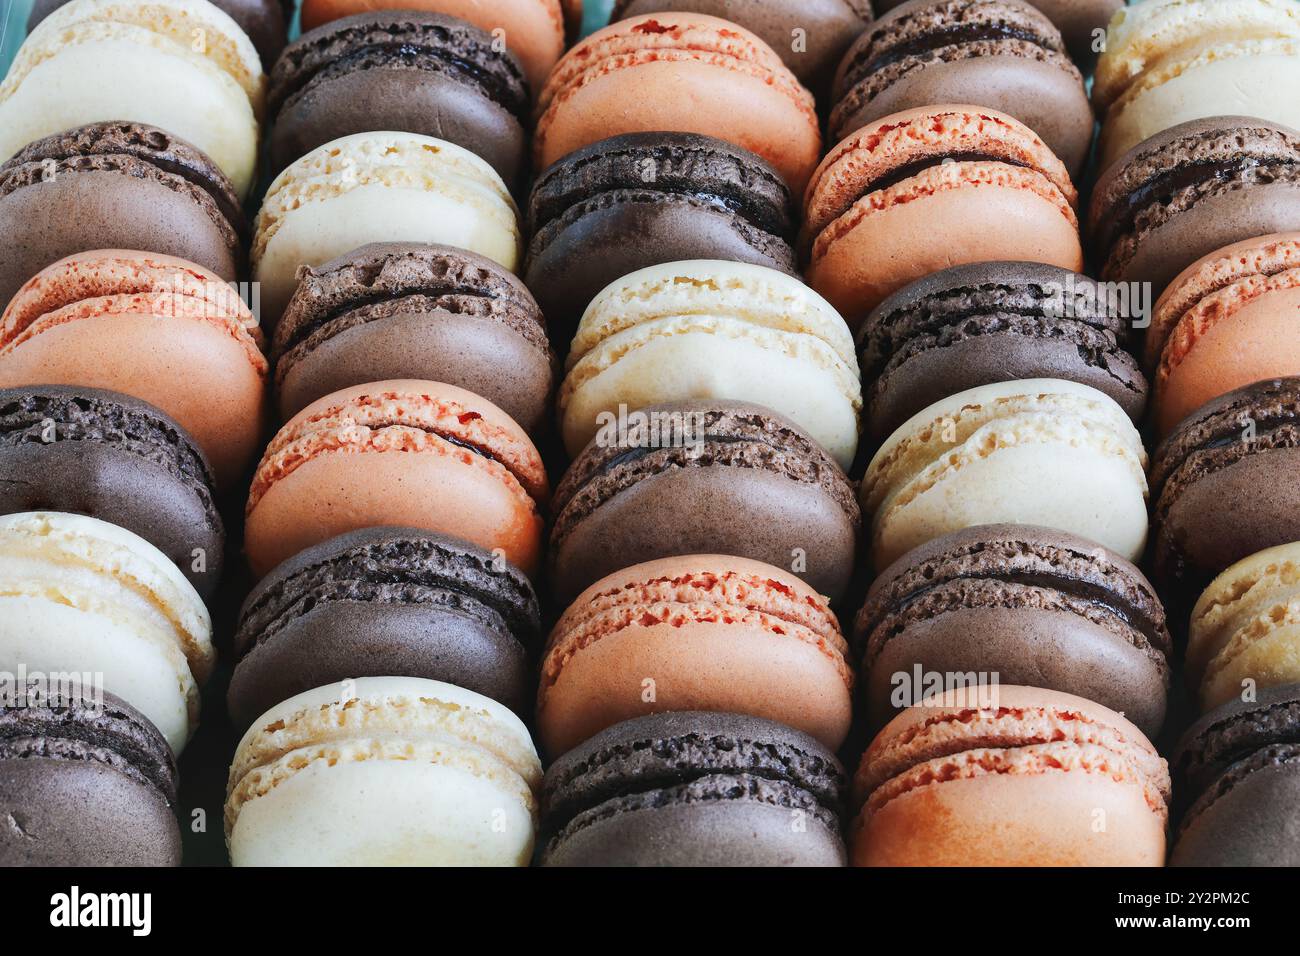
[[378, 187], [1227, 320], [689, 476], [414, 310], [116, 458], [85, 780], [929, 188], [1242, 764], [683, 72], [384, 771], [265, 21], [701, 632], [395, 602], [1169, 61], [1224, 487], [208, 93], [810, 37], [1189, 191], [715, 330], [1025, 777], [153, 326], [642, 199], [694, 789], [990, 322], [399, 70], [1016, 603], [409, 453], [83, 596], [116, 186], [1245, 628], [1037, 451], [532, 30], [1000, 54]]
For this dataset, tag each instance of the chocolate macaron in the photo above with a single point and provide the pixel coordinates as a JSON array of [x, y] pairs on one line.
[[116, 186], [399, 310], [404, 70], [994, 322], [1242, 763], [84, 782], [1002, 54], [395, 602], [1190, 190], [642, 199], [695, 789], [116, 458], [697, 475], [1016, 604]]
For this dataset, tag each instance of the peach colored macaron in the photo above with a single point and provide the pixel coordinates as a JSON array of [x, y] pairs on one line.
[[682, 73], [928, 188], [403, 452], [702, 632], [154, 327], [1229, 319]]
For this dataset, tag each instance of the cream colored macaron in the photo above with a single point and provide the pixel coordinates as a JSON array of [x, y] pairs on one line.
[[1037, 451], [378, 187], [384, 771], [1170, 61], [716, 330], [1245, 629], [80, 596], [181, 65]]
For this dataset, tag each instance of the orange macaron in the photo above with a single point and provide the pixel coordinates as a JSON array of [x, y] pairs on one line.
[[404, 452], [701, 632], [928, 188], [1229, 319], [151, 326], [681, 73]]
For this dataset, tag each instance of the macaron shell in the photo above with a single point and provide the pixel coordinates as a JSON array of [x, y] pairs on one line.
[[1253, 824]]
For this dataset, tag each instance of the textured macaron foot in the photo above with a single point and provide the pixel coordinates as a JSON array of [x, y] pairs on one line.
[[384, 771], [702, 632], [85, 780], [1000, 54], [1037, 451], [642, 199], [993, 322], [1010, 776], [695, 789], [394, 602], [1190, 190], [399, 70], [409, 453], [112, 457], [1016, 604], [116, 186], [928, 188], [414, 311], [690, 476], [1239, 767]]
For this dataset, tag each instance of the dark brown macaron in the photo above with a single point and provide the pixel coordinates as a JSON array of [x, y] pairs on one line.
[[704, 477], [1190, 190], [642, 199], [1224, 487], [116, 185], [84, 782], [991, 322], [809, 36], [402, 70], [409, 310], [386, 602], [999, 54], [1016, 604]]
